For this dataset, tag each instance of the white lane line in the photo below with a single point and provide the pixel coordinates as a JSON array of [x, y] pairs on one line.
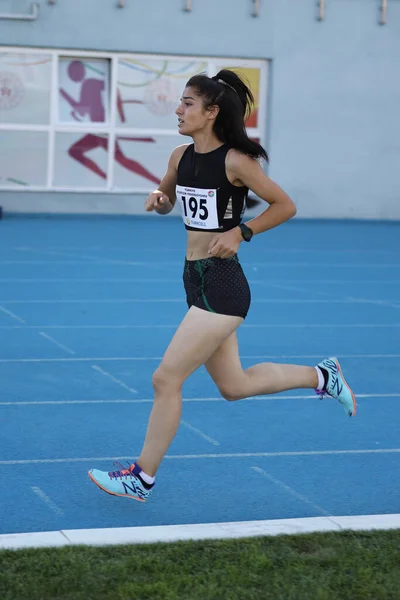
[[61, 253], [186, 400], [321, 281], [320, 325], [11, 314], [51, 339], [86, 359], [324, 249], [200, 433], [181, 300], [243, 326], [173, 264], [101, 280], [118, 381], [48, 501], [144, 358], [125, 249], [129, 263], [171, 326], [104, 301], [390, 303], [201, 531], [291, 491], [329, 295], [177, 281], [293, 288], [37, 461]]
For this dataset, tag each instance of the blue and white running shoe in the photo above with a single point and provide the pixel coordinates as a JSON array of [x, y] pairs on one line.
[[337, 387], [124, 482]]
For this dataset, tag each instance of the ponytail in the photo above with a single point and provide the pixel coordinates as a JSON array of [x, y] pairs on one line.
[[235, 101]]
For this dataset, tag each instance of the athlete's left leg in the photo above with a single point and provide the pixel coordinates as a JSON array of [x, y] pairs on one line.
[[234, 383]]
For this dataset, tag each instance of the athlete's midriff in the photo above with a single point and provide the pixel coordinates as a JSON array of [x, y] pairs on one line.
[[209, 202], [198, 243]]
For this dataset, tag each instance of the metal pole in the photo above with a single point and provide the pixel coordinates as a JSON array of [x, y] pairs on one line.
[[321, 10], [188, 6], [256, 10], [24, 17], [384, 6], [121, 3]]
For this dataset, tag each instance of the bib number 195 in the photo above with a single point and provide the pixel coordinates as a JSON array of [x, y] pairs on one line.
[[196, 207]]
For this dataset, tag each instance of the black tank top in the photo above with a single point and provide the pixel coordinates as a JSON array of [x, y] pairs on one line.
[[207, 199]]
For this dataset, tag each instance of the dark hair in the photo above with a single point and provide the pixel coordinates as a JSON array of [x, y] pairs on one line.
[[235, 100]]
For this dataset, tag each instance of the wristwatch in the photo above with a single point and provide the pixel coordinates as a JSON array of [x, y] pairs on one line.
[[247, 233]]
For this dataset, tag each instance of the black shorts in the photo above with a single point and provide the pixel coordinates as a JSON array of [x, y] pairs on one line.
[[217, 285]]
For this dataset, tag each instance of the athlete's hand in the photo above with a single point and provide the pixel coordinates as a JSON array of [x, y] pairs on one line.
[[226, 244], [158, 201]]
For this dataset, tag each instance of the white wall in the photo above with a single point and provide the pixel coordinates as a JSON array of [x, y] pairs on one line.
[[334, 125]]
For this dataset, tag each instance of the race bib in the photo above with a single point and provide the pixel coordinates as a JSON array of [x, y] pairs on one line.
[[198, 207]]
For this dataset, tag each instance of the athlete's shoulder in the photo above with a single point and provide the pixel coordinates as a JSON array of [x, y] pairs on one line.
[[236, 158], [240, 166], [178, 152]]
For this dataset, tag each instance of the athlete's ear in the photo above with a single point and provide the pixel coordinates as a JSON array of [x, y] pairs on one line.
[[213, 112]]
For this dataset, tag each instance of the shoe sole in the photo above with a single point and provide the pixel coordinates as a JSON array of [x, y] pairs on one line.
[[348, 387], [113, 493]]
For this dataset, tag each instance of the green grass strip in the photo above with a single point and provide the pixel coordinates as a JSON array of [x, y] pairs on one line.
[[323, 566]]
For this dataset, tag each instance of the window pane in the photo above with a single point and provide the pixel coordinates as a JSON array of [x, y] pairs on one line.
[[141, 161], [149, 91], [80, 160], [25, 81], [83, 90], [23, 158]]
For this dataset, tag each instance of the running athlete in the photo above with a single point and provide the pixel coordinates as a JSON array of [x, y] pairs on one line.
[[210, 180]]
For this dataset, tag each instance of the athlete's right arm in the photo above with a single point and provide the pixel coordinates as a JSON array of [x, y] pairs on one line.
[[163, 199]]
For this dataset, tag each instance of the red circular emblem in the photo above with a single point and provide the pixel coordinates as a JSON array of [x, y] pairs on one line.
[[12, 90]]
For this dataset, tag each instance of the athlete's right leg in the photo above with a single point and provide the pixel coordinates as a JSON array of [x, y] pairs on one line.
[[197, 338]]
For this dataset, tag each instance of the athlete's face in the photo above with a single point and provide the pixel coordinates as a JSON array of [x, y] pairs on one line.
[[192, 116]]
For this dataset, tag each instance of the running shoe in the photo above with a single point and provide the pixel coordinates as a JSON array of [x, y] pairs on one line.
[[124, 482], [336, 386]]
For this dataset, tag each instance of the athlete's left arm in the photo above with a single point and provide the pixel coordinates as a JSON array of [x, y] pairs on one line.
[[242, 169]]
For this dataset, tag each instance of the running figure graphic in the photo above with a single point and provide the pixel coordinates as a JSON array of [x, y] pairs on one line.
[[91, 104]]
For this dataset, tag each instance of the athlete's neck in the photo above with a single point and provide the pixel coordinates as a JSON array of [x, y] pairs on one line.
[[206, 142]]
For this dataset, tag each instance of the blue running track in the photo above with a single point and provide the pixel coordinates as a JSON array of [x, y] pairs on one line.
[[87, 308]]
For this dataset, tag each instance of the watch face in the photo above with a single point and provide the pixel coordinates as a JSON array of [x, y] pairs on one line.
[[247, 233]]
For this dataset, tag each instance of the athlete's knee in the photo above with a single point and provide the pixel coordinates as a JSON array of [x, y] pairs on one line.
[[166, 378], [231, 391]]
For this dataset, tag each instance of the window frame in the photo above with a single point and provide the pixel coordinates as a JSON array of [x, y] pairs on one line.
[[111, 128]]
